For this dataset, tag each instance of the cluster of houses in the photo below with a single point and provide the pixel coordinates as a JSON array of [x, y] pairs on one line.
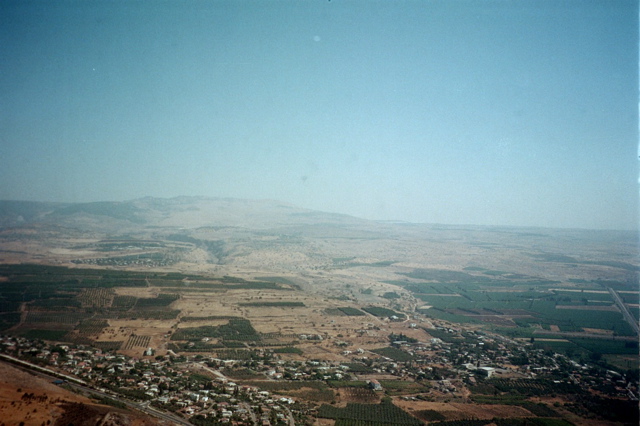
[[168, 384], [201, 385]]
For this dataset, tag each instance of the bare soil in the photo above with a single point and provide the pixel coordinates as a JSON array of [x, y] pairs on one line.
[[36, 401]]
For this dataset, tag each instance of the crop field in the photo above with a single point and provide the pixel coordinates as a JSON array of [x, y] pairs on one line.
[[236, 329], [393, 353], [107, 345], [572, 311], [576, 345], [401, 387], [382, 312], [137, 342], [123, 303], [91, 326], [385, 412], [96, 297], [351, 312], [359, 395], [62, 318], [162, 300], [45, 334], [314, 391], [513, 388]]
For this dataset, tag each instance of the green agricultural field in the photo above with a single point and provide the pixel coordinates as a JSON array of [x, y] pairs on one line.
[[352, 312], [462, 303], [237, 329], [402, 387], [385, 413], [382, 312], [395, 354], [54, 335]]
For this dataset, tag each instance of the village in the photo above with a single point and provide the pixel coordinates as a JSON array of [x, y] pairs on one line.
[[206, 390]]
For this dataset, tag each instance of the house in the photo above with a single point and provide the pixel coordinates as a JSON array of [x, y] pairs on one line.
[[375, 385]]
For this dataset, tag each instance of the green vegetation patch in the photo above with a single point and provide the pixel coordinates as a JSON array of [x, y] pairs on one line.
[[162, 300], [237, 355], [280, 280], [383, 413], [123, 303], [9, 319], [531, 387], [347, 383], [401, 387], [395, 354], [390, 295], [237, 329], [288, 350], [55, 335], [444, 275], [382, 312], [512, 421], [57, 303], [351, 312], [108, 345], [429, 415], [92, 326], [608, 346], [357, 367]]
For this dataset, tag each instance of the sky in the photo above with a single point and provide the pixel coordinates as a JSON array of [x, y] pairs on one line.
[[494, 112]]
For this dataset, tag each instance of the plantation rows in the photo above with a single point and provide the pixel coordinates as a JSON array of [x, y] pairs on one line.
[[108, 346], [533, 387], [162, 300], [138, 341], [123, 302], [46, 334], [352, 312], [382, 312], [378, 413], [64, 318], [541, 305], [358, 394], [96, 297], [237, 329], [395, 354], [92, 326], [528, 421]]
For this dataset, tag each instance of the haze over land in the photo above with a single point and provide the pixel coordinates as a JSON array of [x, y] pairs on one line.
[[296, 213], [318, 307], [487, 113]]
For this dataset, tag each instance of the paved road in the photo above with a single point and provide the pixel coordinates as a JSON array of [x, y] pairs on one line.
[[144, 407], [623, 308], [39, 371]]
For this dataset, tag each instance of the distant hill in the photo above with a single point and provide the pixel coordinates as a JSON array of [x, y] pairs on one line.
[[181, 212]]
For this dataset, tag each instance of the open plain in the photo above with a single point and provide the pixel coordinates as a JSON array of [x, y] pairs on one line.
[[340, 303]]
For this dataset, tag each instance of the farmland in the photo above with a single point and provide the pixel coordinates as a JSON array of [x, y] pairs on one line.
[[322, 312]]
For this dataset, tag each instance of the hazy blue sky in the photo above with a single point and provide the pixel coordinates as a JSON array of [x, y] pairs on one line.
[[462, 112]]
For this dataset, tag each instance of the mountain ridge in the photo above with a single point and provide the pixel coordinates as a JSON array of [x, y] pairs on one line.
[[180, 211]]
